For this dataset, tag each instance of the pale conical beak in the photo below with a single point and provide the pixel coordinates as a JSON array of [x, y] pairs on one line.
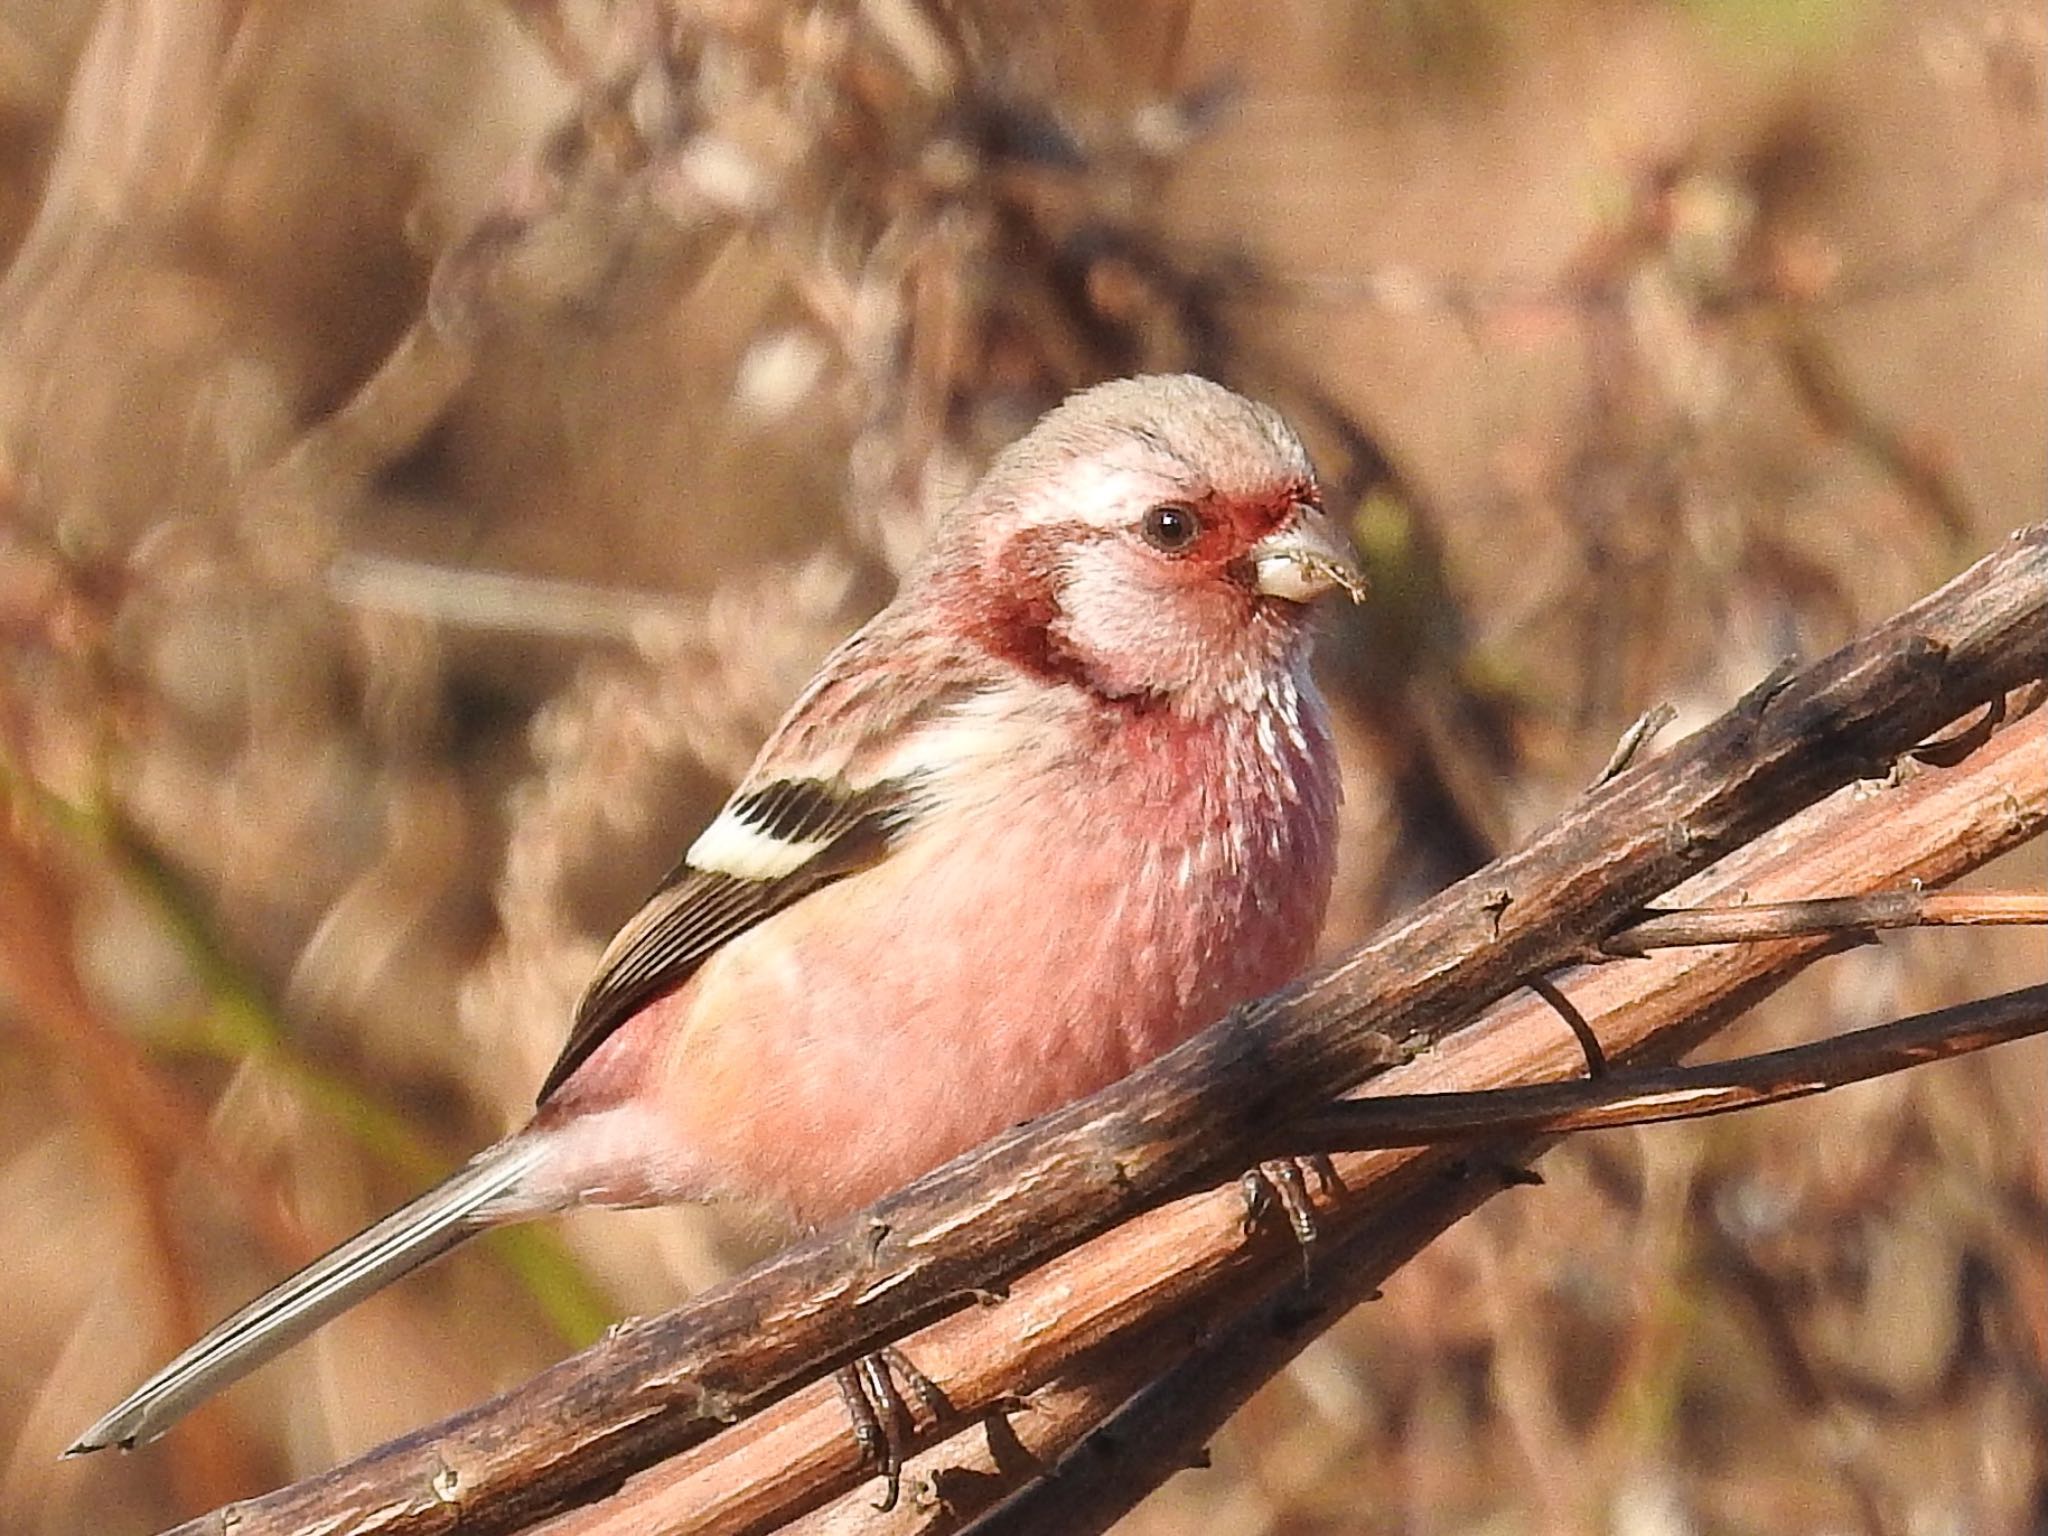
[[1307, 558]]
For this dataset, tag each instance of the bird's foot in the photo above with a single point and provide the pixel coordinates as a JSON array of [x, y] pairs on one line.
[[882, 1422], [1283, 1182]]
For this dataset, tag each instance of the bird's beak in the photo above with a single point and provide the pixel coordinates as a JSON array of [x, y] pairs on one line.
[[1305, 559]]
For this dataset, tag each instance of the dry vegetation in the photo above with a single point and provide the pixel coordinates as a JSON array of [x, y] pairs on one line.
[[436, 439]]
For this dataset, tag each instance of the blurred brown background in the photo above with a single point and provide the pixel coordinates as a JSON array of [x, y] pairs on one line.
[[437, 438]]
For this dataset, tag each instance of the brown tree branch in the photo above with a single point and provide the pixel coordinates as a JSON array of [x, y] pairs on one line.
[[659, 1384], [1093, 1317]]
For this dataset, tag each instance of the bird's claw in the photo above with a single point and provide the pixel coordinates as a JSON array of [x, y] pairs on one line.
[[880, 1419], [1283, 1181]]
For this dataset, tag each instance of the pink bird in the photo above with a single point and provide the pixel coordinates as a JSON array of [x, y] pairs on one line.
[[1063, 802]]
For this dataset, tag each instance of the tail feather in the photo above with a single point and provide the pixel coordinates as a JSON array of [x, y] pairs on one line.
[[413, 1235]]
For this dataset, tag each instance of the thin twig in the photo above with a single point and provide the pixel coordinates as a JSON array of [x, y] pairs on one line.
[[1650, 1096], [1575, 1021], [1948, 750], [1634, 739], [1829, 914]]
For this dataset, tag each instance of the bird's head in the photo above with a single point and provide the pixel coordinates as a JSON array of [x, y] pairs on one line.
[[1153, 539]]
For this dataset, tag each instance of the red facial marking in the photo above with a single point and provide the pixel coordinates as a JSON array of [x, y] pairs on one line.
[[1231, 525], [1012, 610]]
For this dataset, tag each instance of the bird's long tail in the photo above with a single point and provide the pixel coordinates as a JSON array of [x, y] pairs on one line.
[[475, 1197]]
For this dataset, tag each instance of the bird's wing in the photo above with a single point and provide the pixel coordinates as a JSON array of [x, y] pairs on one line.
[[832, 792], [769, 847]]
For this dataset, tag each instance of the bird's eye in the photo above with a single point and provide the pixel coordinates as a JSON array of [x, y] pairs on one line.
[[1171, 528]]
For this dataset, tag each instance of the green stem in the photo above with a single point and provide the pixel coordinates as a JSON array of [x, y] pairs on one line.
[[241, 1023]]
